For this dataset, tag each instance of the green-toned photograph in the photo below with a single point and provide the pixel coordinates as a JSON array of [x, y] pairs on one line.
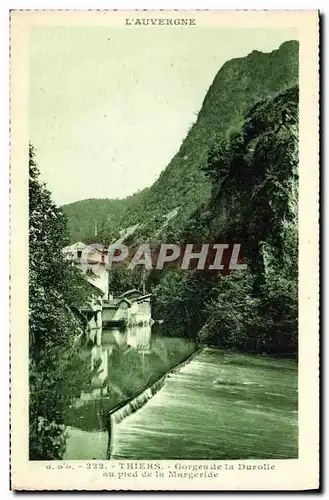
[[163, 242]]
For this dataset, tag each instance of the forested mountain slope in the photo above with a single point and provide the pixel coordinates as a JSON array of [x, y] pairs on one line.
[[254, 174], [183, 185]]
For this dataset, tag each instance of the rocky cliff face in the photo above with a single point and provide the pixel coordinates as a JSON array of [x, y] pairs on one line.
[[255, 201], [235, 178], [255, 181], [183, 185]]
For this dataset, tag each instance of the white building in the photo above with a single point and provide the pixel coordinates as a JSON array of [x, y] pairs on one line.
[[131, 311], [91, 260]]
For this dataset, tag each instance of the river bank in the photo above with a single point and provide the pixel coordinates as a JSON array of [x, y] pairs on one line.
[[129, 373], [219, 405], [82, 444]]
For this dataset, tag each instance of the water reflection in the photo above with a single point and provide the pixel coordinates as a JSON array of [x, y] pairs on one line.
[[218, 406], [136, 336], [127, 361], [117, 339]]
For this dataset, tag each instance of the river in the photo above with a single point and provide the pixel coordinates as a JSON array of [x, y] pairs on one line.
[[219, 406]]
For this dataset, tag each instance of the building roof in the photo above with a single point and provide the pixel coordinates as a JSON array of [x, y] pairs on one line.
[[91, 253], [76, 246], [143, 297], [135, 295], [95, 288], [115, 303], [132, 291]]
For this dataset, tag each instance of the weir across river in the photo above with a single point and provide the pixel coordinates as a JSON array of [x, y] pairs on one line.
[[218, 406]]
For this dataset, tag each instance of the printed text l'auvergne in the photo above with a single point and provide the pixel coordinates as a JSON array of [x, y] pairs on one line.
[[160, 21]]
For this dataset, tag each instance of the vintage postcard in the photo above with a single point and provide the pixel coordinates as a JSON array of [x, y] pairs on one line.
[[164, 250]]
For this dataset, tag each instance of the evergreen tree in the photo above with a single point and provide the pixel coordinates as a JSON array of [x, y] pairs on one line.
[[56, 290]]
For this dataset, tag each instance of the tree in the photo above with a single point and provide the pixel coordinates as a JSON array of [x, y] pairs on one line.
[[123, 279], [255, 176], [56, 291]]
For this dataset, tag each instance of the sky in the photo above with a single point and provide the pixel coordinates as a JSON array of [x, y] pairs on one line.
[[110, 106]]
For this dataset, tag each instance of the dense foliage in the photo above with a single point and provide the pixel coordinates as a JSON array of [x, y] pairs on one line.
[[122, 279], [182, 185], [234, 179], [255, 183], [56, 290]]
